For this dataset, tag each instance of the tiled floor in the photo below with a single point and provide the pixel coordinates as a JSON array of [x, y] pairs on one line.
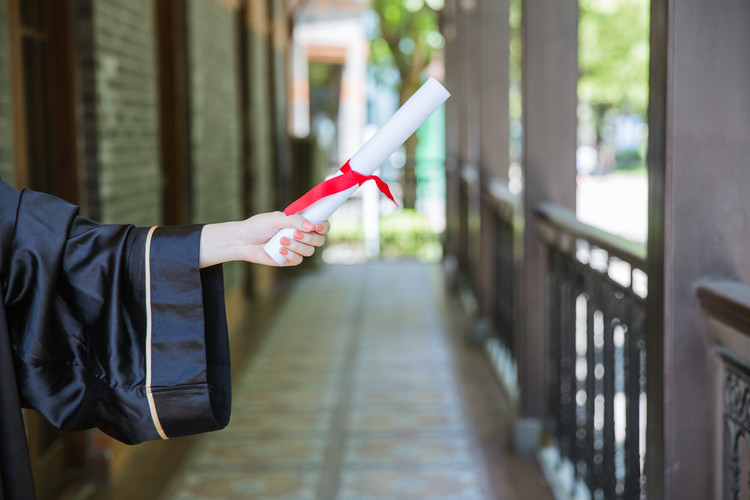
[[352, 395]]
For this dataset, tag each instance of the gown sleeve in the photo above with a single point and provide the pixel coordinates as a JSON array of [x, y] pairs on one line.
[[112, 326]]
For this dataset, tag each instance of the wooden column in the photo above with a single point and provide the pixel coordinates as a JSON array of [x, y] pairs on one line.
[[449, 29], [494, 68], [470, 103], [699, 227], [494, 132], [550, 74]]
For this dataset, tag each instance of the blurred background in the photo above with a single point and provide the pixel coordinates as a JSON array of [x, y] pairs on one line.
[[576, 200]]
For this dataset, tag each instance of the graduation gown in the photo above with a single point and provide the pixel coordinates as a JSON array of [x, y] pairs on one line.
[[107, 326]]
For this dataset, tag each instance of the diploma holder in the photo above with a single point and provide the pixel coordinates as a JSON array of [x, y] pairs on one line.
[[318, 204]]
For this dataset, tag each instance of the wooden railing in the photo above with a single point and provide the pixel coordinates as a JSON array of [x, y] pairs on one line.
[[597, 358], [729, 303]]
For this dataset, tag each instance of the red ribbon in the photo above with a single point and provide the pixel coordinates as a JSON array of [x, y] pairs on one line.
[[335, 185]]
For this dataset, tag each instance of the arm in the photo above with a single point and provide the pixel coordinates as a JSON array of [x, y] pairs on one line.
[[244, 240]]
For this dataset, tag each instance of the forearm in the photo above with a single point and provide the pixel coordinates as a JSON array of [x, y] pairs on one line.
[[221, 243]]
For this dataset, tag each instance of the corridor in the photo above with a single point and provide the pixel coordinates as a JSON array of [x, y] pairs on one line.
[[363, 388]]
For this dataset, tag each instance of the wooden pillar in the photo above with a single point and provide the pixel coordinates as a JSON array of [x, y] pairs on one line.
[[449, 28], [494, 68], [699, 227], [550, 75], [494, 132], [469, 139]]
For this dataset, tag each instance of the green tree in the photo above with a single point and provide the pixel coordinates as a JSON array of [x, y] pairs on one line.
[[406, 39], [613, 57]]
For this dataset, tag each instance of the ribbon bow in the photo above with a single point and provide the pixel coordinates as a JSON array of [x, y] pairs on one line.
[[349, 178]]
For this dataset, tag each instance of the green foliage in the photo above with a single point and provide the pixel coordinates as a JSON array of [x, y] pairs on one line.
[[514, 20], [407, 234], [404, 234], [627, 160], [614, 54], [406, 38], [346, 230]]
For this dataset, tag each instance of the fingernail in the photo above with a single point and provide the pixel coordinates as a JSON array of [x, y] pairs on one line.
[[319, 228], [285, 241], [283, 251], [298, 235], [308, 225]]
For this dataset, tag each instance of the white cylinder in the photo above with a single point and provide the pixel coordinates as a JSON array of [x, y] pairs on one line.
[[372, 155]]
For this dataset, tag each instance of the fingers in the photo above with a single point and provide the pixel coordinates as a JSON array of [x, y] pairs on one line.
[[298, 247], [323, 228], [292, 258], [299, 222], [306, 237], [312, 239]]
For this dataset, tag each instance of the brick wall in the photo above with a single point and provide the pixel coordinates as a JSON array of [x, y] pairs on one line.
[[279, 63], [261, 190], [121, 166], [214, 113], [214, 135], [6, 123]]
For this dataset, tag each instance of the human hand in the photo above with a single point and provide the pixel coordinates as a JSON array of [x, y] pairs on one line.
[[244, 240]]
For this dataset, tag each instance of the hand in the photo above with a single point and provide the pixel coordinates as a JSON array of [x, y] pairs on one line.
[[244, 240]]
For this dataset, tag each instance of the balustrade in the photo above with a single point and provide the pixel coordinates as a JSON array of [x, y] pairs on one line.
[[596, 375]]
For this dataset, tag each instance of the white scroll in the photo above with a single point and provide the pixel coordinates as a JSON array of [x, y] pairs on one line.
[[372, 155]]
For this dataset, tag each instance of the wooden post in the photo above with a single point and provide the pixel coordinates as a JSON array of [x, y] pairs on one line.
[[449, 28], [494, 69], [494, 132], [550, 76], [699, 227]]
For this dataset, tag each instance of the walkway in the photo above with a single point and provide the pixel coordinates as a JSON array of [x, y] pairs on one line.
[[358, 391]]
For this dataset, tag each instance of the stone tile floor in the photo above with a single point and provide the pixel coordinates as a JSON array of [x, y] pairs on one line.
[[352, 395]]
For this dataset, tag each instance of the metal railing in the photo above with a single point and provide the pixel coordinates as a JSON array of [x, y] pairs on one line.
[[729, 303], [597, 359], [500, 208]]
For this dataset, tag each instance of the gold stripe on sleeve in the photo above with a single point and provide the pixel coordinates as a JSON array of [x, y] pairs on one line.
[[149, 394]]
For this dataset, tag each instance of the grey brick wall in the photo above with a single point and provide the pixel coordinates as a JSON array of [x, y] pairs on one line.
[[215, 147], [262, 190], [214, 113], [118, 87], [6, 117]]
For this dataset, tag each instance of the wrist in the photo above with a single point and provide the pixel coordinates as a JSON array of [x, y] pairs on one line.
[[219, 244]]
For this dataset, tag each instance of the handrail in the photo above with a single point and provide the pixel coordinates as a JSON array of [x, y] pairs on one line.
[[504, 201], [587, 310], [470, 174], [726, 301], [565, 220]]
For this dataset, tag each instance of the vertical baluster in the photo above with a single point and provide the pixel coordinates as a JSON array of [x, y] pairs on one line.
[[639, 322], [632, 401], [563, 364], [575, 288], [508, 311], [499, 280], [735, 468], [732, 433], [556, 358], [590, 380], [610, 481]]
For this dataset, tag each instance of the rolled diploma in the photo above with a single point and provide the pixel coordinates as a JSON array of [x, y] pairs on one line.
[[371, 155]]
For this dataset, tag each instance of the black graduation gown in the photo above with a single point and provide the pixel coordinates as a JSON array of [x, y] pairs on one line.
[[106, 326]]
